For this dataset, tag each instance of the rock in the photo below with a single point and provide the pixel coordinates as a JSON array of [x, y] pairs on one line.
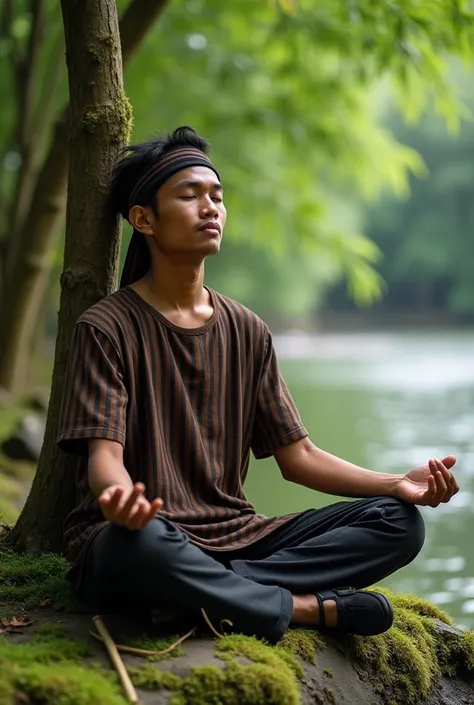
[[422, 660], [240, 670], [38, 401], [443, 628], [26, 441]]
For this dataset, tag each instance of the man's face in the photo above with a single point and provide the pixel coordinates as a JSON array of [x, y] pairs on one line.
[[191, 214]]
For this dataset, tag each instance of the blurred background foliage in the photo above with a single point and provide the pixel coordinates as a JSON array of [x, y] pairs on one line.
[[340, 129]]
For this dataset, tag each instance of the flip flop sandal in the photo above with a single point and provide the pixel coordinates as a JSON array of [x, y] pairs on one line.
[[358, 611]]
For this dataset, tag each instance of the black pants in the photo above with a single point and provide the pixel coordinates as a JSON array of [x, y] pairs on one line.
[[349, 543]]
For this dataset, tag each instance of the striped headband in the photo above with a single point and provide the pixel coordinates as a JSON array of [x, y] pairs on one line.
[[164, 168]]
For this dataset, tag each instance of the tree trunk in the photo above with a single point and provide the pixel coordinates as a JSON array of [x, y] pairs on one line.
[[27, 276], [100, 124], [21, 299]]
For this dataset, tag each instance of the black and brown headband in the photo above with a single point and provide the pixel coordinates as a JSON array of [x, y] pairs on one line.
[[156, 174]]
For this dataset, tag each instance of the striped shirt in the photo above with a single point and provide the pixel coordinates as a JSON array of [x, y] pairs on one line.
[[188, 406]]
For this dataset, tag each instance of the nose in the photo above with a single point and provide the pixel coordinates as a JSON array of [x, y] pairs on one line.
[[209, 208]]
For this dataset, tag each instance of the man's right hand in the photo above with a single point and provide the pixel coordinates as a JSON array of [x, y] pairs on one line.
[[128, 507]]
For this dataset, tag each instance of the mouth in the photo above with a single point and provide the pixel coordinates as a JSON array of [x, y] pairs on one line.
[[211, 226]]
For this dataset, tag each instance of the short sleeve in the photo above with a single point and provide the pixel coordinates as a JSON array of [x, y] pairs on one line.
[[94, 402], [277, 421]]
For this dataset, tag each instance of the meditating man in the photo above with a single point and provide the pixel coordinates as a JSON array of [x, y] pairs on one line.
[[171, 386]]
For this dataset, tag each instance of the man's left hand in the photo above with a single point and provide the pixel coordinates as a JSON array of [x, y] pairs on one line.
[[429, 485]]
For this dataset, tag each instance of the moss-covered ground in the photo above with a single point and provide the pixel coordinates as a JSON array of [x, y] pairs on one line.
[[51, 668]]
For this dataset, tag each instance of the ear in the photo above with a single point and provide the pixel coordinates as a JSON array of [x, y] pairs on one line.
[[140, 217]]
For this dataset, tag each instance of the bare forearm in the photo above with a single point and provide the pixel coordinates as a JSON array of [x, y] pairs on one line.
[[321, 471], [105, 471]]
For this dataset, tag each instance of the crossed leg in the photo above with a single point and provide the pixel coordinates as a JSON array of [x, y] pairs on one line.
[[261, 588]]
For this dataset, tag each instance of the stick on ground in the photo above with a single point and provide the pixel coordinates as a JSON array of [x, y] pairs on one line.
[[116, 659], [148, 652]]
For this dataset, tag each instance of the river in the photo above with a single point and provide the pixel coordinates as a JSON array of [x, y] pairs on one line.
[[389, 402]]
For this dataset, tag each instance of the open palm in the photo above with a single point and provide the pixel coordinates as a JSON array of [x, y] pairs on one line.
[[429, 485]]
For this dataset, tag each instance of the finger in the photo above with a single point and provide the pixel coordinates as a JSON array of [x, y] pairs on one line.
[[441, 486], [123, 513], [137, 514], [110, 501], [441, 467], [154, 507], [453, 487], [109, 494], [449, 461], [430, 494], [144, 512], [448, 478], [454, 484]]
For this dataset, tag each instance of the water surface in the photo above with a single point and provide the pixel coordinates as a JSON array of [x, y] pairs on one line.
[[389, 402]]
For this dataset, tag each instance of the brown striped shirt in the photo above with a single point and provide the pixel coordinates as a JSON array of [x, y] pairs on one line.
[[188, 406]]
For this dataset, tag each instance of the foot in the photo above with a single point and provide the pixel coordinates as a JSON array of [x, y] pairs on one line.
[[346, 610]]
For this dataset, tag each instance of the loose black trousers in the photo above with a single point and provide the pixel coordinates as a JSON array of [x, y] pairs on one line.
[[350, 543]]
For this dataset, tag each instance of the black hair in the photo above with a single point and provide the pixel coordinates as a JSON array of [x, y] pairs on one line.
[[136, 158]]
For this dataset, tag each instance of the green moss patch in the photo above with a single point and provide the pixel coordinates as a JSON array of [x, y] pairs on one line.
[[48, 670], [66, 684], [304, 643], [31, 582], [256, 684], [118, 116], [259, 652], [148, 642], [151, 678], [271, 677], [43, 649], [408, 659], [417, 605], [50, 629]]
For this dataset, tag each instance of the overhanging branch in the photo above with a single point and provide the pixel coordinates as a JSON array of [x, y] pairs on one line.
[[135, 22]]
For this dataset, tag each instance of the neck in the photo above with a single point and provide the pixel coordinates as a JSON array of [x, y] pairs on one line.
[[178, 285]]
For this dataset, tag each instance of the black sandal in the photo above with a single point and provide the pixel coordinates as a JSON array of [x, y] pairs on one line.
[[361, 612]]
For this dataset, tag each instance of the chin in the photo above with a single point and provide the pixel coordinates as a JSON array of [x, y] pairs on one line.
[[212, 248]]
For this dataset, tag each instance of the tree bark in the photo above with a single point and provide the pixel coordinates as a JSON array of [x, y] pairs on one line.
[[26, 278], [100, 124]]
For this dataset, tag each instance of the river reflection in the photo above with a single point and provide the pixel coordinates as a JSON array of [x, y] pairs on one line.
[[390, 402]]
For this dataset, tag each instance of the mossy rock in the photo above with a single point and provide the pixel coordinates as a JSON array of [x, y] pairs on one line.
[[407, 665], [410, 658]]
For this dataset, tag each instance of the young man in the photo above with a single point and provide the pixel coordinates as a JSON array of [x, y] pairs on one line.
[[170, 387]]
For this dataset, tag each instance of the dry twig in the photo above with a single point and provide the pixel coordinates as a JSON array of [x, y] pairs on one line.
[[119, 665], [148, 652]]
